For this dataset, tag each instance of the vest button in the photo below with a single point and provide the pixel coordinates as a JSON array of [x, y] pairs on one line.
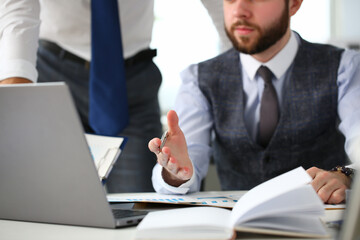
[[267, 158]]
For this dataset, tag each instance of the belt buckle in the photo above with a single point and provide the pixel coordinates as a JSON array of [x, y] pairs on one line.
[[87, 65]]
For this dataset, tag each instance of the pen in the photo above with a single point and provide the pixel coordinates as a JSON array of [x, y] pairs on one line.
[[163, 139]]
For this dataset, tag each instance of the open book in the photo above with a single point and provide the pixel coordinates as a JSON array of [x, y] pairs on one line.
[[285, 205], [105, 151]]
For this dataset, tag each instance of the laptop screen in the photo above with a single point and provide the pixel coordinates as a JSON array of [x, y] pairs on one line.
[[350, 229], [47, 173]]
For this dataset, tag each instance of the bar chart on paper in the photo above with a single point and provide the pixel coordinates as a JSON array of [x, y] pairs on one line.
[[202, 198]]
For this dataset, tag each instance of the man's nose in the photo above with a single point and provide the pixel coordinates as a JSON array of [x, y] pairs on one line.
[[242, 9]]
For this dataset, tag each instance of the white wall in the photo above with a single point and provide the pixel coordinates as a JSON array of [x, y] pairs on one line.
[[312, 21], [345, 20], [184, 34]]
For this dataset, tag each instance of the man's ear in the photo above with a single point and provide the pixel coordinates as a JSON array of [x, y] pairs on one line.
[[294, 6]]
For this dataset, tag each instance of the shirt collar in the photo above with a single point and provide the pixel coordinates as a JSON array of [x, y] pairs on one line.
[[278, 64]]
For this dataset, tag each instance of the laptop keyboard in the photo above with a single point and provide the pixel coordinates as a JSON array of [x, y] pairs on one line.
[[124, 213]]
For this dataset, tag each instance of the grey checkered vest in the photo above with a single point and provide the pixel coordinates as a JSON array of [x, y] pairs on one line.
[[307, 133]]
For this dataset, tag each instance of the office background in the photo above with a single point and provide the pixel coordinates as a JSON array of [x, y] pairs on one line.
[[184, 34]]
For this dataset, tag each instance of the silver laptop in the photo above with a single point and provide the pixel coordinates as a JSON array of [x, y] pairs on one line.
[[350, 229], [46, 170]]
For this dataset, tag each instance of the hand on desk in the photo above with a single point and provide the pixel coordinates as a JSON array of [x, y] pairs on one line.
[[174, 157], [14, 80], [330, 186]]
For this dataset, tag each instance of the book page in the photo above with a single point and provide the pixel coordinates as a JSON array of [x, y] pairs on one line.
[[335, 206], [298, 224], [184, 223], [269, 190], [301, 201]]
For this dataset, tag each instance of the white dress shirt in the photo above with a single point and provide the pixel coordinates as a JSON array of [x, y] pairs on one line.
[[66, 23], [196, 121]]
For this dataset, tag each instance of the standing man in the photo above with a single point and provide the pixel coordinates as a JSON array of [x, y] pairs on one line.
[[64, 54], [273, 102]]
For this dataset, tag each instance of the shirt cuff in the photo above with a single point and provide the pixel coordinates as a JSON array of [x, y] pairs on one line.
[[162, 187], [18, 68], [353, 151]]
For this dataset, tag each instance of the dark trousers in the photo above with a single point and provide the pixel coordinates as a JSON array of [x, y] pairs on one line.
[[132, 171]]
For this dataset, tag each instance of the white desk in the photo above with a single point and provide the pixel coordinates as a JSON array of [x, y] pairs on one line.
[[13, 230], [17, 230]]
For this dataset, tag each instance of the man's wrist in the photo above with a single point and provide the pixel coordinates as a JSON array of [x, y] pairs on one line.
[[15, 80], [348, 172], [169, 178]]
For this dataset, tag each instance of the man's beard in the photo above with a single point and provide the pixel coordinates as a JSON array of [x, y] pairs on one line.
[[267, 37]]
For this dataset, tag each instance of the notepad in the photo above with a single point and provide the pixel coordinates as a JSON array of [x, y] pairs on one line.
[[105, 151]]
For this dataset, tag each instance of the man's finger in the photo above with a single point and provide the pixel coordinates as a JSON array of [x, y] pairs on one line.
[[172, 166], [163, 158], [320, 179], [173, 122], [331, 186], [338, 196], [318, 182], [325, 192], [184, 173], [154, 145], [312, 171]]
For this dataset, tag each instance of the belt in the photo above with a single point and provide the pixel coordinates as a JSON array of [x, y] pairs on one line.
[[144, 55]]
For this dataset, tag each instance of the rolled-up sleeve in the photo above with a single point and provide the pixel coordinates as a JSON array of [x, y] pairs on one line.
[[19, 33]]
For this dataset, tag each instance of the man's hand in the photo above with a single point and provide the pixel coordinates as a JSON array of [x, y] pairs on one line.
[[330, 186], [177, 166], [15, 80]]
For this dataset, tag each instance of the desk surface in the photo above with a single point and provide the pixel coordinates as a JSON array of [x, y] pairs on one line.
[[27, 230]]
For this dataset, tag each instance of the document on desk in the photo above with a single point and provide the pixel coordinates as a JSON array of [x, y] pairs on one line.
[[211, 198], [334, 206], [105, 151], [216, 199]]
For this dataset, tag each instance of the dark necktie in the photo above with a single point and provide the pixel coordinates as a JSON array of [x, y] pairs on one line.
[[269, 108], [108, 108]]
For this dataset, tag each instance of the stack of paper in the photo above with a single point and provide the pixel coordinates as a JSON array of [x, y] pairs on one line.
[[105, 151]]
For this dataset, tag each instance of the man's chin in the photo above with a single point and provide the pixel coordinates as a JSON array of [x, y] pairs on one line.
[[245, 48], [245, 44]]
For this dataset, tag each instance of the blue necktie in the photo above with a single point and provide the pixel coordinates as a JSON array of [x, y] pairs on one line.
[[108, 108]]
